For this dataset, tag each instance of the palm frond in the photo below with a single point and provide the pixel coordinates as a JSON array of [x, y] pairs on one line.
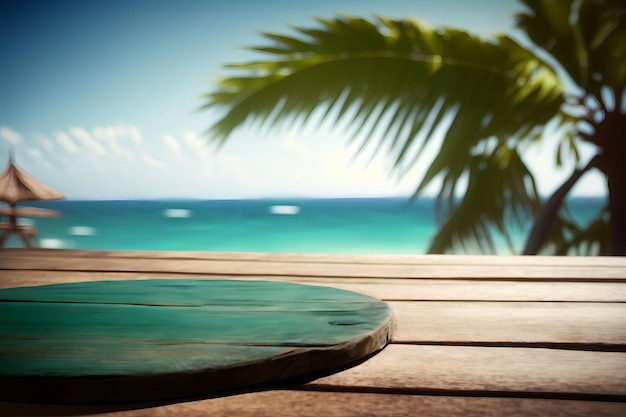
[[406, 79], [472, 222], [592, 240], [567, 237], [586, 37]]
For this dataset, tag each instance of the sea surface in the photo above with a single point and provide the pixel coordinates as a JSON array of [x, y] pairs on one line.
[[353, 225]]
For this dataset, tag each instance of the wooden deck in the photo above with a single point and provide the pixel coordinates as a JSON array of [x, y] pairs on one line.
[[477, 335]]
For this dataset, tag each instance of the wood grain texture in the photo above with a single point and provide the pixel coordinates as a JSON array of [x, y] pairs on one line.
[[388, 289], [517, 371], [446, 305], [342, 404], [463, 260], [112, 341], [561, 323], [103, 261]]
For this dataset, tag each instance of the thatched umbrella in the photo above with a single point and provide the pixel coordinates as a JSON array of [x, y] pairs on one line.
[[16, 186], [28, 212]]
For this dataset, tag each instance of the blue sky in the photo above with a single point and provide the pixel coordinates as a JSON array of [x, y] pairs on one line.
[[99, 99]]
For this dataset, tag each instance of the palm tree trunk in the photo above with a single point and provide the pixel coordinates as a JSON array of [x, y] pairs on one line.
[[617, 208], [609, 136]]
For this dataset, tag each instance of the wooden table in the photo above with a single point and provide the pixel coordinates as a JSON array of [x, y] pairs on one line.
[[27, 234], [477, 335]]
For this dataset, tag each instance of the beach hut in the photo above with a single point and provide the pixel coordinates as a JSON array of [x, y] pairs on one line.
[[17, 186]]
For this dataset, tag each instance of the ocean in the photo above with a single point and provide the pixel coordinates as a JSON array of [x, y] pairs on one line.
[[348, 226]]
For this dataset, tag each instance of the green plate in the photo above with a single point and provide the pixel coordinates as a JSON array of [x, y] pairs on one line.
[[148, 340]]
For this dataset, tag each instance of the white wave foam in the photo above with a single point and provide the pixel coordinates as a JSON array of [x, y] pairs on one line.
[[82, 231], [285, 210], [177, 213], [52, 243]]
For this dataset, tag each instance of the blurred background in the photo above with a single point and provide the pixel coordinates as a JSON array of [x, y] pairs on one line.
[[99, 100]]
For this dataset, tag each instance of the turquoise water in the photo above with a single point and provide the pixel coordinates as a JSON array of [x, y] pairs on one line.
[[376, 225]]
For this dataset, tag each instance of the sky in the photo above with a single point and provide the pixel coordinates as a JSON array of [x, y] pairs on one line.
[[100, 99]]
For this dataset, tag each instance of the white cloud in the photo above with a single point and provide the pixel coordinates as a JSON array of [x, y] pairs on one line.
[[46, 142], [135, 134], [152, 161], [110, 136], [38, 155], [87, 140], [127, 131], [66, 143], [10, 136], [197, 145], [120, 130], [172, 143], [35, 153], [100, 133]]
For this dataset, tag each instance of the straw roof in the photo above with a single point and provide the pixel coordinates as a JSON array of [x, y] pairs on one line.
[[16, 186], [28, 212]]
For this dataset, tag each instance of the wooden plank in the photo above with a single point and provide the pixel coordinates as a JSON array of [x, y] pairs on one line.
[[470, 322], [334, 404], [384, 288], [56, 261], [471, 290], [126, 341], [514, 372], [465, 260], [573, 325]]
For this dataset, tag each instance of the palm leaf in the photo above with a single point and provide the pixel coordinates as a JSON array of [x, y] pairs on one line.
[[567, 237], [587, 38], [592, 240], [407, 79], [473, 222]]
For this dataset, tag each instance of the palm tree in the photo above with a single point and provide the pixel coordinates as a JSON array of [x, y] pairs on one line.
[[397, 82]]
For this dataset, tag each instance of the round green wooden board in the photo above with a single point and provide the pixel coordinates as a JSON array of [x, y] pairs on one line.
[[149, 340]]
